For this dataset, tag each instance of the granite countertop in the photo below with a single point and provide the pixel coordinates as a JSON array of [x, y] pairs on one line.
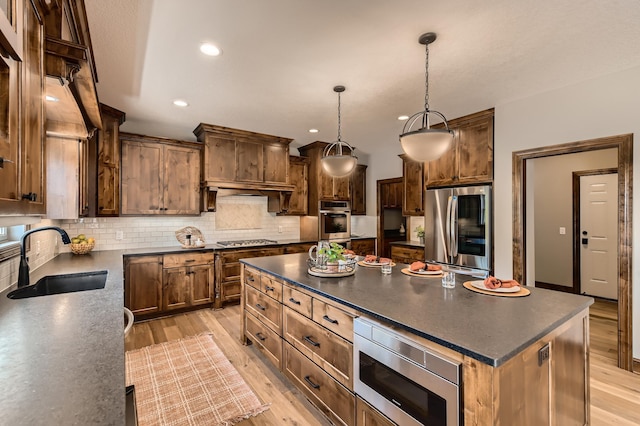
[[488, 328], [416, 244], [62, 356]]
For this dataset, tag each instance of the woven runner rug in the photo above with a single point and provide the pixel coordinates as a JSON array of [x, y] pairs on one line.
[[189, 382]]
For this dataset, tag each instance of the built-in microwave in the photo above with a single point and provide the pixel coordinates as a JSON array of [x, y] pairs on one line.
[[334, 220]]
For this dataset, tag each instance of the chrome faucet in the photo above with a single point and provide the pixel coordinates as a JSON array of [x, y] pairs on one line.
[[23, 271]]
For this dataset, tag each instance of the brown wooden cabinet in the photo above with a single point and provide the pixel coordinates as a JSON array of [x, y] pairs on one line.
[[366, 415], [470, 160], [108, 170], [363, 247], [297, 248], [143, 284], [158, 284], [228, 286], [299, 177], [22, 177], [413, 187], [359, 190], [159, 176], [321, 185], [392, 195], [406, 254]]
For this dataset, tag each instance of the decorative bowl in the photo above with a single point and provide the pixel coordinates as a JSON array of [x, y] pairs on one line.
[[82, 248]]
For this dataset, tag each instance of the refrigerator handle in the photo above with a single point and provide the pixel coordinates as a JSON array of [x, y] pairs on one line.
[[453, 236], [448, 246]]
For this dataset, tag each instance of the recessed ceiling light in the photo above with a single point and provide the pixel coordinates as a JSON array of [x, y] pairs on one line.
[[313, 130], [51, 98], [210, 49], [403, 117], [180, 103]]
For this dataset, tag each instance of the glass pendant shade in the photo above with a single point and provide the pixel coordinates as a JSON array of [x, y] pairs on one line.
[[338, 164], [426, 144]]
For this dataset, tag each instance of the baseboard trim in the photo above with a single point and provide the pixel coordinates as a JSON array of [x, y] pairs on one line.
[[549, 286], [636, 366]]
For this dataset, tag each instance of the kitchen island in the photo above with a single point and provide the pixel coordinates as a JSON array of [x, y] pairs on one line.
[[524, 360]]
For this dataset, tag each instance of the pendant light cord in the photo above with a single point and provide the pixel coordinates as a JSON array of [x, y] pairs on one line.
[[426, 80], [339, 124]]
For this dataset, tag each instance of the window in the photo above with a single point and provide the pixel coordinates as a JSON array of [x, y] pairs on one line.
[[3, 233]]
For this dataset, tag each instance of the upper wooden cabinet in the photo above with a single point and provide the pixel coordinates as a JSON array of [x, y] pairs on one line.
[[359, 190], [159, 176], [299, 177], [321, 185], [22, 177], [413, 186], [392, 195], [108, 153], [470, 160]]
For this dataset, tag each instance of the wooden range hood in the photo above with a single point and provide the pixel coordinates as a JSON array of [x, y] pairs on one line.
[[70, 70]]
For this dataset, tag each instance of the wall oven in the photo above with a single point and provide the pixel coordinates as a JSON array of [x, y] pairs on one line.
[[404, 380], [334, 221]]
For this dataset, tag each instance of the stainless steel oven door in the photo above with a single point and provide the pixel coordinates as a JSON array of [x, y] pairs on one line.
[[408, 394], [334, 225]]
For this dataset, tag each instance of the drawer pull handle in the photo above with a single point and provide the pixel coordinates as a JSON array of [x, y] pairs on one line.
[[260, 336], [292, 300], [259, 306], [331, 320], [251, 279], [308, 340], [189, 260], [268, 288], [313, 385]]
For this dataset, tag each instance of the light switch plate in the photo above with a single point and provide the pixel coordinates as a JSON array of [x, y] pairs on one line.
[[119, 235], [563, 230]]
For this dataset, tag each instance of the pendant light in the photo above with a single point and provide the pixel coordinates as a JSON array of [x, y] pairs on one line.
[[426, 144], [337, 158]]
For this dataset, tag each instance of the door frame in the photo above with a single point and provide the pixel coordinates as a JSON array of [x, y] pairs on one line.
[[624, 144], [576, 220]]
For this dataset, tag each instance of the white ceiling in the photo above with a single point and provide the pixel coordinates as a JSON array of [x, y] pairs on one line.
[[282, 58]]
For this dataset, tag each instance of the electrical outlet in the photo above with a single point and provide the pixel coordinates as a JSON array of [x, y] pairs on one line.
[[563, 230], [119, 235], [280, 229], [543, 354]]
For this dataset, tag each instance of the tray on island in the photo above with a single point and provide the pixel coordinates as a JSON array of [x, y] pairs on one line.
[[344, 269]]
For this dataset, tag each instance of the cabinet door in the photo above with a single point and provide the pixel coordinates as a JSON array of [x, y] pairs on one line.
[[413, 189], [181, 180], [9, 134], [176, 288], [201, 284], [366, 415], [326, 190], [142, 179], [359, 190], [341, 190], [299, 176], [276, 165], [443, 171], [109, 166], [220, 159], [249, 161], [363, 247], [475, 151], [143, 284], [33, 176]]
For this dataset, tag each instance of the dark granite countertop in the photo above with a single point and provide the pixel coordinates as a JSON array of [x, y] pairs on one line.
[[488, 328], [62, 356], [415, 244]]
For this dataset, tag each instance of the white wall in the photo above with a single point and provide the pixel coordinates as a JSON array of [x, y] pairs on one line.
[[605, 106]]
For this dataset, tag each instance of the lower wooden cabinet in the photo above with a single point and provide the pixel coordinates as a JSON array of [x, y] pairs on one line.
[[333, 399], [267, 340], [364, 247], [159, 284], [366, 415], [406, 254], [297, 248]]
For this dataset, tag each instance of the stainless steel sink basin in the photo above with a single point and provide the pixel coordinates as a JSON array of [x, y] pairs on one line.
[[56, 284]]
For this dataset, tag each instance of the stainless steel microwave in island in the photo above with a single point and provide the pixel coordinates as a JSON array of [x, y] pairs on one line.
[[458, 229], [334, 221]]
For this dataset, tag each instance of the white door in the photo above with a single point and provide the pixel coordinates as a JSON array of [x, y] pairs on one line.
[[599, 235]]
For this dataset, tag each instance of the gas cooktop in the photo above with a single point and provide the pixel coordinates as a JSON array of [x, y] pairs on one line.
[[240, 243]]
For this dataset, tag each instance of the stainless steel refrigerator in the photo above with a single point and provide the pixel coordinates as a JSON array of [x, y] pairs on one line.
[[458, 229]]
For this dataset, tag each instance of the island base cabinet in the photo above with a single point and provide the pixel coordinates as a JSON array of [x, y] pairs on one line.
[[545, 384], [319, 387], [366, 415], [266, 340]]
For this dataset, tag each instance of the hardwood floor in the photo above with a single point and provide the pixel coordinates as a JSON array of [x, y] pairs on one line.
[[615, 393]]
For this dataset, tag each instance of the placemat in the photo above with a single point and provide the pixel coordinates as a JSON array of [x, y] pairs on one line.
[[523, 291], [407, 271], [361, 263]]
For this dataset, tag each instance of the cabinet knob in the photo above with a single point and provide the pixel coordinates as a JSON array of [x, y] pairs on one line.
[[32, 196]]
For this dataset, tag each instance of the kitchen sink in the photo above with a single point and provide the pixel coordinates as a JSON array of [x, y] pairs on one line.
[[57, 284]]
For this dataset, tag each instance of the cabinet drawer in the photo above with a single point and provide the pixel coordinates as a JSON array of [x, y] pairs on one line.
[[333, 318], [266, 339], [269, 311], [330, 351], [296, 300], [252, 277], [366, 415], [271, 286], [230, 291], [407, 254], [333, 399], [186, 259]]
